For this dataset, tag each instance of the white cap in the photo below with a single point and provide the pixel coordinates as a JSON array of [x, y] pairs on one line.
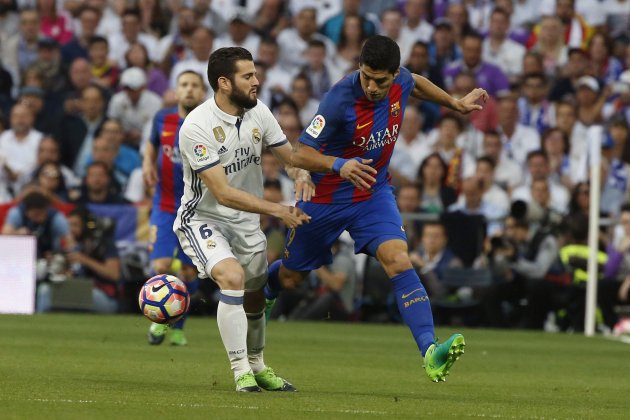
[[133, 78], [589, 82], [240, 14]]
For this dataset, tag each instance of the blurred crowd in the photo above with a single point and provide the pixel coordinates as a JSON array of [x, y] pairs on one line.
[[500, 195]]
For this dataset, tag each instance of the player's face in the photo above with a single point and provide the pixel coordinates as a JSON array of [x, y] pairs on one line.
[[244, 85], [376, 83], [190, 91]]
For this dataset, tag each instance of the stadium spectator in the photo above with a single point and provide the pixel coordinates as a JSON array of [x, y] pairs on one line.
[[391, 27], [49, 152], [135, 106], [551, 45], [443, 50], [99, 186], [621, 104], [317, 68], [538, 169], [457, 15], [105, 71], [302, 95], [48, 64], [294, 41], [518, 140], [615, 289], [417, 26], [459, 162], [419, 63], [131, 33], [111, 22], [46, 118], [137, 56], [35, 216], [590, 100], [534, 109], [291, 126], [79, 77], [472, 201], [120, 161], [77, 47], [271, 18], [76, 131], [500, 50], [488, 76], [95, 258], [577, 65], [507, 173], [605, 67], [432, 257], [333, 28], [277, 79], [18, 146], [53, 24], [410, 147], [436, 195], [555, 144], [208, 17], [19, 50], [408, 201], [349, 46], [273, 172], [239, 33], [201, 44], [49, 178], [492, 193], [175, 46]]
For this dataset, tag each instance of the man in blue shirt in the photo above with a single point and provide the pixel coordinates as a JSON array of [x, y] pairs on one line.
[[347, 147]]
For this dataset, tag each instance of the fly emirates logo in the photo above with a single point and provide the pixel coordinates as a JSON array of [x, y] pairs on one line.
[[377, 139], [243, 156]]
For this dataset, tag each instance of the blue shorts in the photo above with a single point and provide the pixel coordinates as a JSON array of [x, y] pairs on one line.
[[164, 242], [370, 223]]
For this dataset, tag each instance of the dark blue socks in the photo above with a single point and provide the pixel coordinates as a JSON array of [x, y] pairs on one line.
[[414, 307], [273, 287], [192, 288]]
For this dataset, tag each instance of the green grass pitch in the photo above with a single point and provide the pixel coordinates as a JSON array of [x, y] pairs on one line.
[[73, 366]]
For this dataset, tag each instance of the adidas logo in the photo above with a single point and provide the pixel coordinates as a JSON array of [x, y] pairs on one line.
[[222, 150]]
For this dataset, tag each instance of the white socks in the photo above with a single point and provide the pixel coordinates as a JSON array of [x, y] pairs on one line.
[[256, 326], [232, 323]]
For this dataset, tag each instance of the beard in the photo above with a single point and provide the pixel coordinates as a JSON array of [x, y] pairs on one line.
[[188, 106], [242, 100]]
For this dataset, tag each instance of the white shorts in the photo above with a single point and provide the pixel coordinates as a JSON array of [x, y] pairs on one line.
[[208, 243]]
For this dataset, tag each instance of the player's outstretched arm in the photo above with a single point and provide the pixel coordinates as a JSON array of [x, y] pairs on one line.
[[304, 187], [356, 170], [428, 91], [217, 183], [149, 167]]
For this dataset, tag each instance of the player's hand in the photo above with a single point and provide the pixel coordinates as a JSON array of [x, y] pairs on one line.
[[470, 102], [293, 217], [149, 174], [304, 187], [360, 174]]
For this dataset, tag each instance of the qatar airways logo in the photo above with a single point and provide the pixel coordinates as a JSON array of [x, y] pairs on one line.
[[377, 139], [172, 152]]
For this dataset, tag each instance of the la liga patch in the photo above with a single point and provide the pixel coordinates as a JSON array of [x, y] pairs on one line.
[[316, 126]]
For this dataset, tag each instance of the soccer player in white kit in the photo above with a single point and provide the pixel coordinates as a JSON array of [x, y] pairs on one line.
[[218, 222]]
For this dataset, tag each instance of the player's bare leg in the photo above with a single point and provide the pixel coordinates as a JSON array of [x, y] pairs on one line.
[[232, 321], [415, 309]]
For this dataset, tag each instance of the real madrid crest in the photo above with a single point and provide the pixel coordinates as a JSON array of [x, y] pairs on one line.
[[395, 109], [211, 244], [219, 134], [256, 136]]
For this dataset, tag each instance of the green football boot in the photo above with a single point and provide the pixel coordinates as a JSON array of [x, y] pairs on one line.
[[247, 383], [177, 337], [439, 358], [268, 307], [157, 332], [269, 381]]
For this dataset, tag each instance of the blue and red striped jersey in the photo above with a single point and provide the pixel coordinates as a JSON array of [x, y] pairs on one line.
[[349, 125], [165, 139]]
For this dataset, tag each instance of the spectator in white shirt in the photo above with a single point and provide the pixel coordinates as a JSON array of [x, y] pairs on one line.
[[278, 79], [411, 147], [201, 43], [416, 27], [110, 22], [391, 27], [507, 172], [538, 170], [239, 34], [492, 193], [135, 106], [301, 94], [518, 140], [131, 33], [500, 50], [18, 146], [317, 69]]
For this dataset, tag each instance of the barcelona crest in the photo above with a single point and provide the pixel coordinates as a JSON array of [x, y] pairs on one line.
[[395, 109]]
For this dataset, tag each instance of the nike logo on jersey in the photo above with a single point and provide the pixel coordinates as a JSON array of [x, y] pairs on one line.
[[359, 126], [157, 289], [222, 150], [405, 296]]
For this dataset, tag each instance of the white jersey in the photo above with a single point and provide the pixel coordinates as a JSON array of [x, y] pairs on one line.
[[211, 137]]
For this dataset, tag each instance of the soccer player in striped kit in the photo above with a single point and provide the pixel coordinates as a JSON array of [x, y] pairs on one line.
[[347, 147], [162, 169]]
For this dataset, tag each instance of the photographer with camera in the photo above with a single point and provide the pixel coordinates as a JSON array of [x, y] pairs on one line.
[[525, 255]]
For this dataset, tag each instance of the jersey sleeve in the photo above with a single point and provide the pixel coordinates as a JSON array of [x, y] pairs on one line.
[[406, 80], [154, 137], [272, 135], [322, 127], [195, 146]]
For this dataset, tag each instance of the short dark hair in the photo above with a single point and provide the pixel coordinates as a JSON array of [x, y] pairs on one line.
[[537, 153], [35, 200], [451, 117], [97, 39], [203, 82], [488, 160], [222, 63], [625, 207], [316, 43], [380, 53]]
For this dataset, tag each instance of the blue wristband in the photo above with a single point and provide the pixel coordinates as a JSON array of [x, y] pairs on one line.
[[337, 164]]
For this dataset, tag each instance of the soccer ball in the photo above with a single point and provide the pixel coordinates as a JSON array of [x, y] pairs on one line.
[[164, 299], [622, 327]]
